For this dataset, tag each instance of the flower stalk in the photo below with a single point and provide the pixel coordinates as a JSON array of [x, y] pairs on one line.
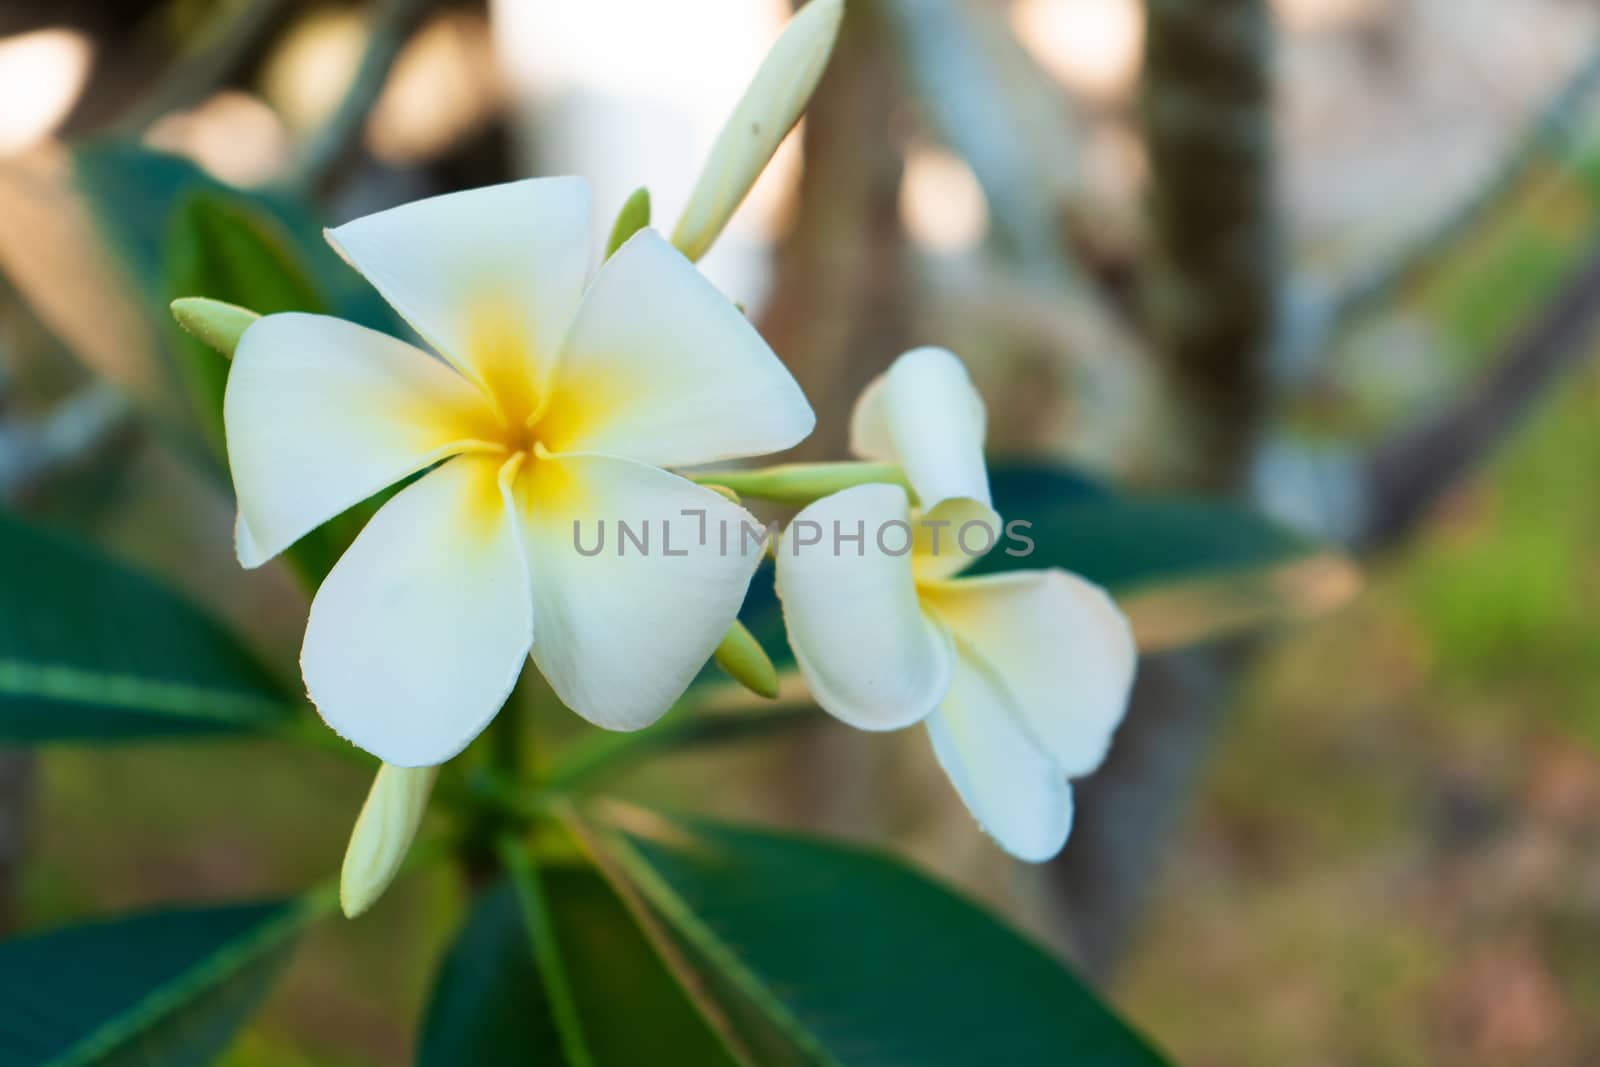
[[799, 484]]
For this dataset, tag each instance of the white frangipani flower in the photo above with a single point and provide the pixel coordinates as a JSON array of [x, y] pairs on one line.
[[1021, 677], [555, 402]]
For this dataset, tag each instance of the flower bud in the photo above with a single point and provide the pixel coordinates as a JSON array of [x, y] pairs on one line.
[[746, 662], [634, 216], [383, 834], [763, 116], [213, 322]]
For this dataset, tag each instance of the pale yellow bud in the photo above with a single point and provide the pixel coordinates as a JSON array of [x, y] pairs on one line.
[[764, 115], [383, 834]]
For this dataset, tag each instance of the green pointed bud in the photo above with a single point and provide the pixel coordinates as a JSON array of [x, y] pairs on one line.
[[723, 491], [213, 322], [634, 216], [764, 115], [747, 663], [800, 484], [383, 834]]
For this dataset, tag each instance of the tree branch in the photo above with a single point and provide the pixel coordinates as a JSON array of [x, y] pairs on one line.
[[1410, 473], [1212, 292], [80, 429], [331, 145], [197, 74], [1550, 128], [1212, 298]]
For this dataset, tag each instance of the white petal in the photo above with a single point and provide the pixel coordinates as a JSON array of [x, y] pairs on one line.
[[924, 414], [490, 277], [662, 368], [859, 635], [622, 631], [1059, 646], [421, 629], [1017, 793], [321, 413]]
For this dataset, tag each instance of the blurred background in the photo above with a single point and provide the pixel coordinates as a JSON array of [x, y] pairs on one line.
[[1337, 257]]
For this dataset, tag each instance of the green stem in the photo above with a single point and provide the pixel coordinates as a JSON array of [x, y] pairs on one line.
[[604, 753], [518, 859], [509, 754], [802, 483]]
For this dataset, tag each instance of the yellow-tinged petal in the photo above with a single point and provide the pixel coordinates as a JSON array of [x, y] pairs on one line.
[[490, 277], [1015, 790], [321, 413], [421, 629], [952, 537], [626, 618], [383, 834], [850, 605], [660, 367], [924, 414], [770, 106], [1057, 645]]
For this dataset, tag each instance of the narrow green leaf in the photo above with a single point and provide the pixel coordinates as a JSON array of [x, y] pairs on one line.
[[830, 955], [603, 752], [93, 651], [490, 1005], [634, 216], [168, 988], [548, 955]]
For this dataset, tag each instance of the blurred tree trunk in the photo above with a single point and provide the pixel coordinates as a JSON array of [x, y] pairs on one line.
[[841, 311], [1212, 289], [841, 307], [1211, 295]]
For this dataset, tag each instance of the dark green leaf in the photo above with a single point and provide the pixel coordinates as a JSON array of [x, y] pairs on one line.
[[1123, 542], [179, 232], [134, 193], [167, 988], [490, 1006], [90, 650], [225, 247], [833, 955], [1076, 523]]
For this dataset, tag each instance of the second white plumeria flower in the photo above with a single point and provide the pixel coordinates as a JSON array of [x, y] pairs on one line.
[[558, 401], [1021, 677]]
